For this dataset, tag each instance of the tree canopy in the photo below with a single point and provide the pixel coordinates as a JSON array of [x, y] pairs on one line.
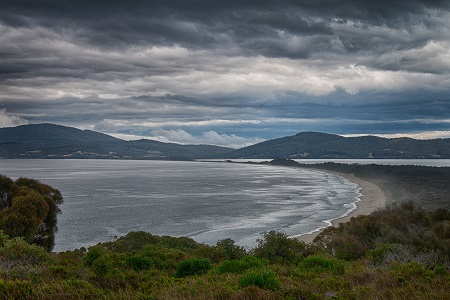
[[28, 209]]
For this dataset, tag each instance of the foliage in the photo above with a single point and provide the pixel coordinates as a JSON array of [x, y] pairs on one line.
[[144, 266], [321, 145], [426, 187], [19, 251], [232, 250], [29, 209], [403, 253], [264, 279], [15, 289], [321, 263], [423, 232], [241, 265], [193, 266], [277, 246]]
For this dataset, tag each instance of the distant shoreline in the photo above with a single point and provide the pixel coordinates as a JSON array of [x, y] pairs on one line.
[[372, 198]]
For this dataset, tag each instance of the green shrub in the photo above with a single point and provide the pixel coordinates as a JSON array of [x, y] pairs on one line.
[[18, 250], [239, 266], [103, 264], [92, 255], [193, 266], [278, 246], [231, 249], [133, 241], [163, 258], [15, 289], [59, 271], [138, 262], [348, 247], [377, 255], [215, 254], [3, 238], [411, 269], [320, 263], [264, 279], [77, 289]]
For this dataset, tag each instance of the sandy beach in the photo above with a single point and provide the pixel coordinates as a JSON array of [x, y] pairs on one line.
[[372, 198]]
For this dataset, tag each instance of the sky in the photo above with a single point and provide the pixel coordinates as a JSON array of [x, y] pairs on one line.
[[230, 73]]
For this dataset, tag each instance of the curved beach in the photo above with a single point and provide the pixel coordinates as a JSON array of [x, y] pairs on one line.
[[372, 198]]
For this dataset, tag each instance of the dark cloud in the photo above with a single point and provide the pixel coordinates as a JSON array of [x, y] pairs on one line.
[[256, 69], [266, 26]]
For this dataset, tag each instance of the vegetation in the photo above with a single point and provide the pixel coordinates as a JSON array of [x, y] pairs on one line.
[[400, 252], [322, 145], [28, 209], [426, 187], [54, 141]]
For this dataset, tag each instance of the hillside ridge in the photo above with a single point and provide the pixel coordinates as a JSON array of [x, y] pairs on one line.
[[56, 141]]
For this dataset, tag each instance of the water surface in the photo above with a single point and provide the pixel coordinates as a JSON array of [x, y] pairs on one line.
[[207, 201]]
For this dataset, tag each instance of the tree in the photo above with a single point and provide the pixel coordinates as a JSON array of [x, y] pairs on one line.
[[278, 246], [29, 209], [233, 251]]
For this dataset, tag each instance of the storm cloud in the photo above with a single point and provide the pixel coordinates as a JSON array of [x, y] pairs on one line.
[[228, 71]]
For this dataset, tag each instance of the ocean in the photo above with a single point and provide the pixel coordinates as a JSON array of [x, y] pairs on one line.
[[207, 201]]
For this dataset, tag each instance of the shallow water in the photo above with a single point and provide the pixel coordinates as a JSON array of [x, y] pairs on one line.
[[207, 201]]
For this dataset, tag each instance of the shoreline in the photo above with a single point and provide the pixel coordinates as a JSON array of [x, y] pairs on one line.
[[372, 198]]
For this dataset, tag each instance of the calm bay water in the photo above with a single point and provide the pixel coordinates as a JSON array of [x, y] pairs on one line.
[[207, 201]]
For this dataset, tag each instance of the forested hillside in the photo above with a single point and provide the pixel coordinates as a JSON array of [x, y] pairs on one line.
[[322, 145], [54, 141]]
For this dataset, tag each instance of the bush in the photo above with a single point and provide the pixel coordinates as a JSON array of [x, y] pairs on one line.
[[3, 238], [15, 289], [193, 266], [92, 255], [138, 262], [239, 266], [278, 246], [396, 224], [348, 247], [319, 263], [103, 265], [163, 258], [19, 251], [231, 249], [264, 279]]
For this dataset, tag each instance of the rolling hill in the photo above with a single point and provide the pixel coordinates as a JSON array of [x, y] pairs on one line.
[[322, 145], [55, 141]]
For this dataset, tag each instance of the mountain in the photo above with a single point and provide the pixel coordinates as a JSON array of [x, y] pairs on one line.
[[322, 145], [55, 141]]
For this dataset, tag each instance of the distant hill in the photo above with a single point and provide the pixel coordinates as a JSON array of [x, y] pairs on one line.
[[55, 141], [322, 145]]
